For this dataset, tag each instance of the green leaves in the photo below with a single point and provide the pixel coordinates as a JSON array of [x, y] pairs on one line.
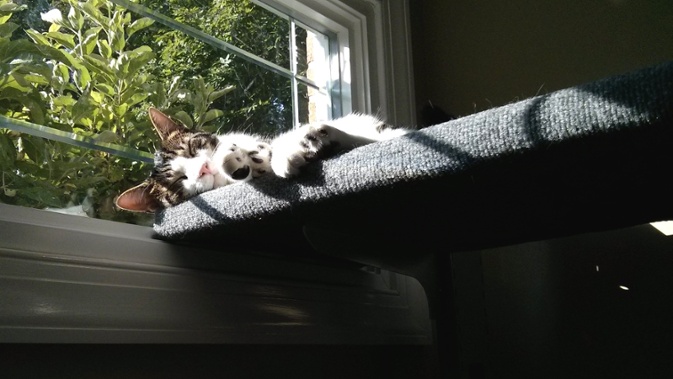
[[184, 117], [75, 18], [64, 39], [90, 40], [90, 9], [138, 25], [7, 8], [258, 99], [104, 48], [210, 116], [37, 37], [99, 65], [135, 60], [212, 96], [93, 73], [11, 50], [7, 150], [7, 29]]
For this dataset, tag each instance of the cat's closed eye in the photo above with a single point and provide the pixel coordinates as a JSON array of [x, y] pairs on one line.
[[198, 142], [194, 146], [176, 177]]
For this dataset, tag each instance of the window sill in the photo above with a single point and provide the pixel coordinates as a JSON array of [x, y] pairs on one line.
[[69, 279]]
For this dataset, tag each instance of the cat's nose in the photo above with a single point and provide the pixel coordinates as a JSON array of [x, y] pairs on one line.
[[241, 173], [205, 170]]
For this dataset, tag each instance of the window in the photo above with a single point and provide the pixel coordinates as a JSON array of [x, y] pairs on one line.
[[68, 141], [77, 77]]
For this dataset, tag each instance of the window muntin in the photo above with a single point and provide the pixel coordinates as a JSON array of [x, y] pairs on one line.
[[300, 91]]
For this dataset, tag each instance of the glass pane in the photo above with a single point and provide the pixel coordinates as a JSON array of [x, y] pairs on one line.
[[239, 22], [50, 175], [261, 103], [312, 54], [92, 81], [312, 57], [94, 71], [313, 105], [246, 96]]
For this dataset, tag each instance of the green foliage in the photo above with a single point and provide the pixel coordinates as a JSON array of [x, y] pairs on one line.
[[82, 75], [259, 100]]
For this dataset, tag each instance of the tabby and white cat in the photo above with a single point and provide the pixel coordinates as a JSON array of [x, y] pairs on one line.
[[192, 162]]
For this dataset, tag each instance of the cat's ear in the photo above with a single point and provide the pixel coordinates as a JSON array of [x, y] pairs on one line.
[[138, 199], [164, 125]]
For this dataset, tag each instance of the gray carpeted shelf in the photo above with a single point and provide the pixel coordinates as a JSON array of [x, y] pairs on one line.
[[592, 157]]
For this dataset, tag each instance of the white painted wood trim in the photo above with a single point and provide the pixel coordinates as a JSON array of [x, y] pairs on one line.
[[70, 279], [375, 39]]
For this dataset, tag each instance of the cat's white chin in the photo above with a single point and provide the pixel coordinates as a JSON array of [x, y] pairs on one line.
[[221, 179], [202, 184]]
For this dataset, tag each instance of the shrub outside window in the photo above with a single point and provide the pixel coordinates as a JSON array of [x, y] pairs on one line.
[[77, 77]]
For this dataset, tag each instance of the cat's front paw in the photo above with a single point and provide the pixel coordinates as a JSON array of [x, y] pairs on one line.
[[317, 139], [260, 159], [295, 149], [236, 164]]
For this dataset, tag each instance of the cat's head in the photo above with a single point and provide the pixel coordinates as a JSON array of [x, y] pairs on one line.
[[182, 167]]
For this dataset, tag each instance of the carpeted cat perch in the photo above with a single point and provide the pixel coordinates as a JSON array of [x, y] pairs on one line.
[[593, 157]]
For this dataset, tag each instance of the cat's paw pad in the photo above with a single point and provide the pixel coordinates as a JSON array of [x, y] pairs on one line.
[[260, 159], [316, 140], [236, 163]]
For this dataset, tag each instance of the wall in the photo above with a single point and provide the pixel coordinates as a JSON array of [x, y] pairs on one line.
[[551, 308], [589, 306], [471, 55]]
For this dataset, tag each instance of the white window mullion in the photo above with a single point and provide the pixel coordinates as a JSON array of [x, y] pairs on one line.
[[371, 52], [334, 86], [293, 80]]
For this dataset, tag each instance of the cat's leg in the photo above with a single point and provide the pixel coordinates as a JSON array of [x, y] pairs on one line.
[[361, 129], [296, 148]]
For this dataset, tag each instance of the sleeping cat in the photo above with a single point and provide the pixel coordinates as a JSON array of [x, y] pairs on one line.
[[192, 162]]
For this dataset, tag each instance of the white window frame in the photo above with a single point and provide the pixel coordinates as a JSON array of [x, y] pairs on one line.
[[373, 63]]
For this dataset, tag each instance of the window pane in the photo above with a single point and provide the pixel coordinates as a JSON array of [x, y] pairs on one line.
[[312, 68], [312, 51], [313, 105], [253, 99], [40, 173], [239, 22], [262, 103], [91, 69]]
